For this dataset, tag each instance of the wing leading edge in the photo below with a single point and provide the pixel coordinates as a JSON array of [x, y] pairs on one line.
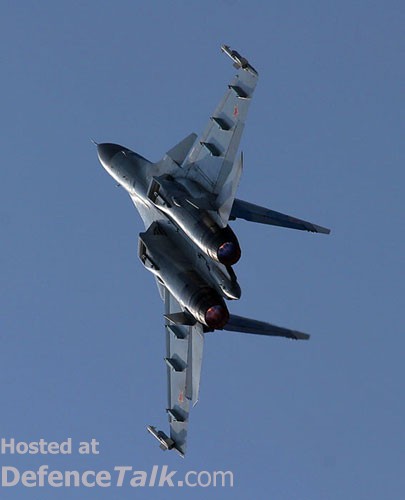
[[212, 158]]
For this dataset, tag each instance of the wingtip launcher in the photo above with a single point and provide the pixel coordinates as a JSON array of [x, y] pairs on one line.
[[238, 60], [165, 443]]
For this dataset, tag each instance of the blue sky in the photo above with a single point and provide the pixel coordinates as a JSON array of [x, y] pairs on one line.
[[81, 329]]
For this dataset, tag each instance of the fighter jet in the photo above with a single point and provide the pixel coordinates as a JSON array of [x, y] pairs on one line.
[[186, 201]]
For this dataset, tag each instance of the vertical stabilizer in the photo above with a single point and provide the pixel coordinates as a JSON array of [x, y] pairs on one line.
[[179, 152]]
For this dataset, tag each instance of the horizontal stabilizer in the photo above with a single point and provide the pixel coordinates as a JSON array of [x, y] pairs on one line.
[[179, 152], [255, 213], [246, 325]]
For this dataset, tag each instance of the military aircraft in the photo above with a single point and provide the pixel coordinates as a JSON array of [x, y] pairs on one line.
[[186, 201]]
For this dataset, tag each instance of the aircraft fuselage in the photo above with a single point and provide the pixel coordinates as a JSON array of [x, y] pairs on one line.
[[136, 175]]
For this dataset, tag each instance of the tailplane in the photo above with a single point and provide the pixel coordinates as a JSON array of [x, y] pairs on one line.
[[247, 325], [255, 213]]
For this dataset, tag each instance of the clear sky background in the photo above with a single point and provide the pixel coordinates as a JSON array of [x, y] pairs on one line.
[[81, 328]]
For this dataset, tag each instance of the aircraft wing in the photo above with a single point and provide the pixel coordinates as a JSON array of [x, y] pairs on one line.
[[212, 157], [184, 351]]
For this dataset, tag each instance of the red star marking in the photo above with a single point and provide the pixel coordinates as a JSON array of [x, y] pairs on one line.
[[235, 111], [181, 397]]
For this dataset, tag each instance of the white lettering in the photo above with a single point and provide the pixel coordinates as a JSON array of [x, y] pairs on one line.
[[166, 478], [103, 479], [72, 474], [94, 446], [5, 445], [122, 471], [27, 476], [153, 475], [66, 447], [85, 475], [55, 476], [22, 448], [139, 478], [11, 476], [201, 474], [84, 448], [4, 476], [42, 472], [53, 448], [223, 475], [35, 447], [188, 482]]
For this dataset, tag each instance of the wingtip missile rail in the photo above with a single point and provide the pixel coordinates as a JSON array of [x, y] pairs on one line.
[[165, 442], [238, 60]]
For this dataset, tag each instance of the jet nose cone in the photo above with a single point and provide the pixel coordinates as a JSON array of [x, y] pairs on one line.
[[107, 151]]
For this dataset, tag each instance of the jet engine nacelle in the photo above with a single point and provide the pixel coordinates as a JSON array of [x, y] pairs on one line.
[[209, 308], [193, 216], [175, 271]]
